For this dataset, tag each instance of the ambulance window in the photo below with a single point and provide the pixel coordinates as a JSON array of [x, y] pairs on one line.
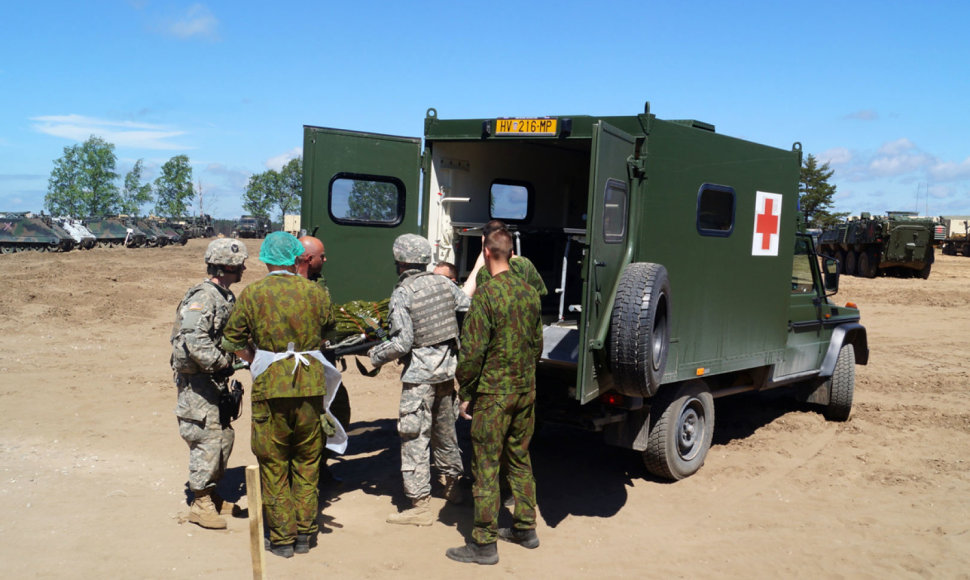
[[715, 210], [801, 272], [366, 200], [614, 211], [510, 200]]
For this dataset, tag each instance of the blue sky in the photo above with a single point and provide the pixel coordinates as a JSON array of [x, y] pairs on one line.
[[880, 90]]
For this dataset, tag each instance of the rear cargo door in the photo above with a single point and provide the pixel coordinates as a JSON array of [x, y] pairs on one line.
[[360, 191], [607, 233]]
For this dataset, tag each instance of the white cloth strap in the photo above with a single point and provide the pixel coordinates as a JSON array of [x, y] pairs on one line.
[[264, 358]]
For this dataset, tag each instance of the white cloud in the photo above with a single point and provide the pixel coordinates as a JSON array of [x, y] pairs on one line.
[[899, 157], [835, 156], [949, 171], [863, 115], [120, 133], [197, 22], [277, 163]]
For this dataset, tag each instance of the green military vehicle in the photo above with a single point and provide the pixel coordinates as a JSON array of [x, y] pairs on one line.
[[675, 262], [251, 227], [898, 244]]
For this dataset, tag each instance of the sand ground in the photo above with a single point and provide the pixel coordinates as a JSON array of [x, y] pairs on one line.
[[93, 472]]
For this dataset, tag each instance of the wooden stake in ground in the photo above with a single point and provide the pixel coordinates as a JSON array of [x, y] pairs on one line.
[[255, 495]]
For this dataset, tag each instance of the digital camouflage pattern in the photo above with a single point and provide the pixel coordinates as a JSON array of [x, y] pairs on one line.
[[427, 428], [288, 443], [426, 364], [501, 340], [199, 320], [270, 313], [502, 428], [210, 444], [521, 267], [226, 252], [501, 344], [412, 249]]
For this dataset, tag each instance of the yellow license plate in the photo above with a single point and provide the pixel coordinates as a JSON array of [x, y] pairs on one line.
[[525, 126]]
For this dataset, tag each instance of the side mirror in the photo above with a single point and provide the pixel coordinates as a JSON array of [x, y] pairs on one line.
[[830, 275]]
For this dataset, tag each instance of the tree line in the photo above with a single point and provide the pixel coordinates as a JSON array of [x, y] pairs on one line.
[[84, 182]]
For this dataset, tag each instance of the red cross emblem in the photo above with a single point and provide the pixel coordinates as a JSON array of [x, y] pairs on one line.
[[767, 218]]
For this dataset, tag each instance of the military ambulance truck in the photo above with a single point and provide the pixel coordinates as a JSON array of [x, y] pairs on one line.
[[676, 268]]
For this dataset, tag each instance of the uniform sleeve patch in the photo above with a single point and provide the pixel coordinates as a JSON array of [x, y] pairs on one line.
[[195, 306]]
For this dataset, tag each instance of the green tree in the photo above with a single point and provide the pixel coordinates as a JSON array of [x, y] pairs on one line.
[[372, 201], [64, 185], [135, 193], [291, 187], [816, 194], [173, 188], [261, 191], [83, 180]]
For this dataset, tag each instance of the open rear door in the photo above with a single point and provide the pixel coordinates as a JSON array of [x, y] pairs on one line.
[[360, 191], [607, 240]]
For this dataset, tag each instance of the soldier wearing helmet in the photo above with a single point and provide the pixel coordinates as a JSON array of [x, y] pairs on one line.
[[424, 336], [202, 370]]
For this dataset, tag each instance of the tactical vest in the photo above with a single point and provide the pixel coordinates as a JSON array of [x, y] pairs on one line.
[[182, 361], [432, 308]]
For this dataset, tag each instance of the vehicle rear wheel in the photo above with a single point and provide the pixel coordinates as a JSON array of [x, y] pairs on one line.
[[842, 385], [840, 256], [681, 430], [640, 329], [851, 259], [867, 264], [965, 251], [925, 272]]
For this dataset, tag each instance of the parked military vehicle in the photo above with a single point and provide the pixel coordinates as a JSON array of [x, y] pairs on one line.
[[196, 226], [956, 235], [114, 232], [174, 234], [251, 227], [898, 244], [84, 239], [677, 268], [25, 232], [154, 237]]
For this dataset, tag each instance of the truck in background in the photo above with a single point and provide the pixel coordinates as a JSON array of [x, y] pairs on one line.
[[899, 244]]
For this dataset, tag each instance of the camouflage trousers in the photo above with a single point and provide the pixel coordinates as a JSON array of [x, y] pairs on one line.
[[288, 443], [502, 427], [427, 428], [209, 443]]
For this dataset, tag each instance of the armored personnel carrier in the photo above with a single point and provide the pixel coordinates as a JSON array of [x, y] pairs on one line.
[[174, 234], [25, 232], [154, 237], [898, 244], [85, 239], [677, 269], [114, 232]]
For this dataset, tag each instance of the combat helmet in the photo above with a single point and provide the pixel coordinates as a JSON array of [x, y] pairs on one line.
[[226, 252], [412, 249]]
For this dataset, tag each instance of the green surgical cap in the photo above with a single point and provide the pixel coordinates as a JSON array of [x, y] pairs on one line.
[[280, 249]]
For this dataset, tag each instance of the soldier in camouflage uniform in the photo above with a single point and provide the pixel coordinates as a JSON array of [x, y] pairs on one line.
[[202, 370], [518, 265], [278, 326], [424, 334], [501, 344]]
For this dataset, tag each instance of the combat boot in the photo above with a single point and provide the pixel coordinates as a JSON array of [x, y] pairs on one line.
[[223, 507], [525, 538], [451, 489], [419, 515], [304, 542], [203, 512], [472, 553]]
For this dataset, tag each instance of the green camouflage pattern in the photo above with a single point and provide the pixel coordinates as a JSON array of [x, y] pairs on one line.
[[112, 232], [501, 339], [521, 267], [20, 233], [288, 444], [278, 309], [502, 428]]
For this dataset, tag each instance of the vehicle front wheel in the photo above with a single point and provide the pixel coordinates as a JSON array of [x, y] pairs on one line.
[[842, 385], [681, 430]]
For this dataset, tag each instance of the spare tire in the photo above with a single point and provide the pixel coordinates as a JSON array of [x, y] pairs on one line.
[[640, 329]]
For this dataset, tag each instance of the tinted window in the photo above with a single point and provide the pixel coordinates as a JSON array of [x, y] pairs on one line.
[[366, 199], [614, 211], [510, 200], [801, 272], [715, 210]]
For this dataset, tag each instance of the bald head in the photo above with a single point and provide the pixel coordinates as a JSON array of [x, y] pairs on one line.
[[315, 256]]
